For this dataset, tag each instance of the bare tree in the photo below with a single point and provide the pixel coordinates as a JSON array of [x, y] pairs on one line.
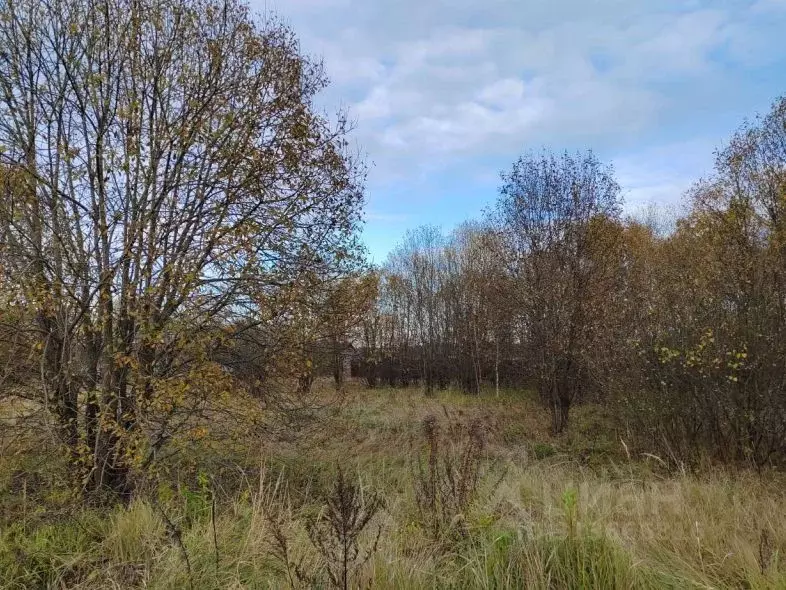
[[416, 264]]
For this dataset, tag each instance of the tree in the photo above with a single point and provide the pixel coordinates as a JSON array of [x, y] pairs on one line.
[[176, 183], [549, 212], [417, 262], [718, 350], [346, 307], [443, 312]]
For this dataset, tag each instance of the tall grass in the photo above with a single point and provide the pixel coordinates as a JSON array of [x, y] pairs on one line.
[[553, 521]]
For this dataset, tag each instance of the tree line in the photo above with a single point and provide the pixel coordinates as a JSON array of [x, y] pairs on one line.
[[676, 322]]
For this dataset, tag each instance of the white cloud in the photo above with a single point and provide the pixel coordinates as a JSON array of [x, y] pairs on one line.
[[503, 93], [463, 89], [662, 174], [453, 83], [376, 105], [387, 217], [680, 45], [467, 125]]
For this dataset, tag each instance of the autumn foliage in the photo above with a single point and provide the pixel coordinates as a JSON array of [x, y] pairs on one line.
[[676, 324], [167, 187]]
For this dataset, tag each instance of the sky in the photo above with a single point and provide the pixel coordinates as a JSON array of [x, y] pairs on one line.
[[446, 94]]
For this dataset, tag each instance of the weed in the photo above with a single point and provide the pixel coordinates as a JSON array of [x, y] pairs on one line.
[[275, 507], [335, 532], [651, 527], [570, 503], [447, 485]]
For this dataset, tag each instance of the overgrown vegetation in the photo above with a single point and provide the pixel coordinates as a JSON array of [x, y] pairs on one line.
[[554, 522], [177, 226], [447, 481], [335, 531], [675, 324], [556, 396]]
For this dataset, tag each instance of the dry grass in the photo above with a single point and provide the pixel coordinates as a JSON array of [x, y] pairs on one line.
[[582, 516]]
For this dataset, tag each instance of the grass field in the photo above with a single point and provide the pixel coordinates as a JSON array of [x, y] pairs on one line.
[[586, 510]]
